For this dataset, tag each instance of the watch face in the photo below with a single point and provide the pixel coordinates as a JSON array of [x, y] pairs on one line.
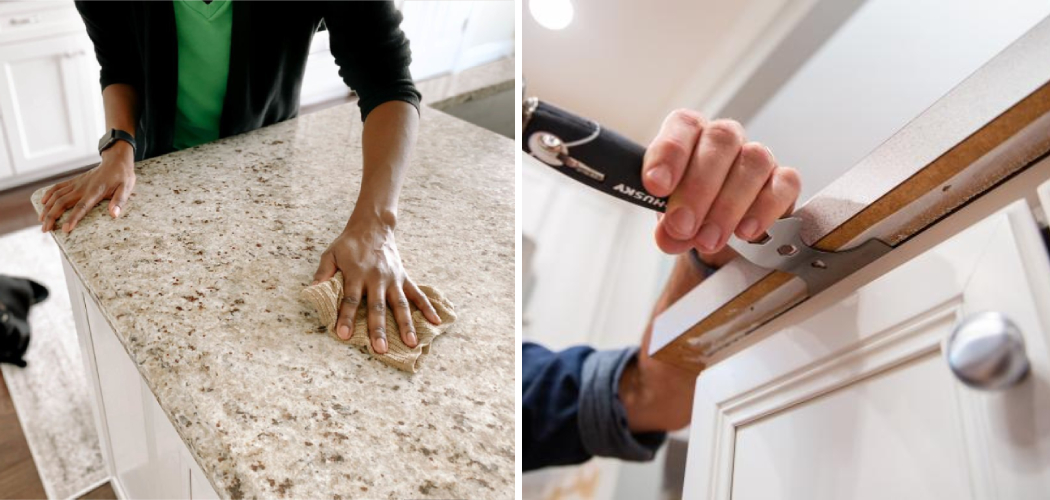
[[105, 141]]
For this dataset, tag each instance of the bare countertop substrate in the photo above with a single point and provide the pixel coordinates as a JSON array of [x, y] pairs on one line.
[[200, 280]]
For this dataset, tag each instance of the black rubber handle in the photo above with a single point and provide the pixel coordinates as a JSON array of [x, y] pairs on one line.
[[617, 158]]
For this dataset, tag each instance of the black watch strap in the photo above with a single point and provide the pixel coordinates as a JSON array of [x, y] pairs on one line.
[[111, 138]]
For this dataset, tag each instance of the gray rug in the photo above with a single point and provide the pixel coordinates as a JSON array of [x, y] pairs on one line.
[[51, 395]]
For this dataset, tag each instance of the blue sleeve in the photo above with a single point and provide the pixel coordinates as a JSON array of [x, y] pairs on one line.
[[571, 409]]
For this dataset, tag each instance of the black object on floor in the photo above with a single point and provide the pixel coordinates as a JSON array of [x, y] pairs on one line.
[[17, 295]]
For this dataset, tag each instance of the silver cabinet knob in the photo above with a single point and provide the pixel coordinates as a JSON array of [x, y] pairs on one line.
[[986, 351]]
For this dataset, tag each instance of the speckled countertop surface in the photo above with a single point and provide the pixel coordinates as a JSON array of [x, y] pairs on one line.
[[201, 277]]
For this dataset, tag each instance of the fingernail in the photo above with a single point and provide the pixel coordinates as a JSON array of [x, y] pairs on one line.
[[412, 339], [380, 345], [314, 283], [709, 236], [748, 227], [344, 332], [659, 176], [65, 227], [682, 221]]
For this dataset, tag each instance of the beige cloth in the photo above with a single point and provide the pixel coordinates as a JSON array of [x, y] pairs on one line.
[[325, 298]]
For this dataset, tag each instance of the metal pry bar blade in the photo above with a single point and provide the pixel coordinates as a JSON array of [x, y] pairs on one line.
[[784, 250]]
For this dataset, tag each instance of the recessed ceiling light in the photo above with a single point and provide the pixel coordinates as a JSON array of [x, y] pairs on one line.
[[552, 14]]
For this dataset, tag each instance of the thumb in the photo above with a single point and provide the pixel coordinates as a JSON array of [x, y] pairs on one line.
[[120, 196], [326, 269]]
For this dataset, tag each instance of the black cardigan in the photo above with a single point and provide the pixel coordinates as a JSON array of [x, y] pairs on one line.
[[135, 43]]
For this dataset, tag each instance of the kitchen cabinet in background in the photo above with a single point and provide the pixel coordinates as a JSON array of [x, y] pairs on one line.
[[50, 106], [46, 98]]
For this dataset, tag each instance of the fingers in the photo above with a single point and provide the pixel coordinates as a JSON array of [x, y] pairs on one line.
[[413, 293], [326, 269], [344, 324], [377, 317], [59, 207], [82, 207], [52, 198], [745, 180], [669, 244], [688, 206], [403, 315], [776, 199], [52, 190], [668, 155], [120, 196]]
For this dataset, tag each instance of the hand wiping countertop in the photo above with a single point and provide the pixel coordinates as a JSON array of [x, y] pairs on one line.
[[200, 279]]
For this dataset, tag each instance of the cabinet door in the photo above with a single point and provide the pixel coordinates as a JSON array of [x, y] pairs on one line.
[[146, 450], [42, 97], [858, 401]]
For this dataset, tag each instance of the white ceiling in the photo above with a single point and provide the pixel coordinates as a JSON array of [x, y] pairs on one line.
[[626, 63]]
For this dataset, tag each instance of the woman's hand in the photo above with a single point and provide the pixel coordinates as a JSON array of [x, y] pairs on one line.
[[718, 183], [366, 254], [113, 179]]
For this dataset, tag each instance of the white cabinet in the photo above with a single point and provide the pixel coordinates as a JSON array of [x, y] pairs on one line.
[[858, 401], [50, 104], [144, 454], [49, 117]]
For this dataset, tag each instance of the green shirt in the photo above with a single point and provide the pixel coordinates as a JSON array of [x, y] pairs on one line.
[[204, 63]]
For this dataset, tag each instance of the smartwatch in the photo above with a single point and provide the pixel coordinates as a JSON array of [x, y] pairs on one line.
[[110, 138]]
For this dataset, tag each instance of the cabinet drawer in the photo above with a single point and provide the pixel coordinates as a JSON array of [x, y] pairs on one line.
[[25, 20], [858, 400]]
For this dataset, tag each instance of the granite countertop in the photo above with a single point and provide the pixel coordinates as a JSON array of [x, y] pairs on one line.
[[200, 279]]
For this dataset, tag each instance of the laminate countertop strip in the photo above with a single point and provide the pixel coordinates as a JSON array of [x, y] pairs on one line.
[[993, 124], [200, 279]]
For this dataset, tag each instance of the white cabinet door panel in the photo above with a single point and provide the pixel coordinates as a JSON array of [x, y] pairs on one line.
[[858, 402], [42, 88]]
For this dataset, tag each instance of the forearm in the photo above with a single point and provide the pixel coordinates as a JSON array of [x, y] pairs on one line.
[[388, 137], [658, 396], [120, 102]]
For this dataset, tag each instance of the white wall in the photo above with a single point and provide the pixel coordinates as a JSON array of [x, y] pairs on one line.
[[891, 60]]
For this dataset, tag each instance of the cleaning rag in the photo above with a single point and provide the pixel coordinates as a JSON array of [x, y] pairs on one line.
[[326, 296]]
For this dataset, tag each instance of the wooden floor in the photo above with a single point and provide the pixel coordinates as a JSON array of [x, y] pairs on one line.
[[16, 211], [18, 474]]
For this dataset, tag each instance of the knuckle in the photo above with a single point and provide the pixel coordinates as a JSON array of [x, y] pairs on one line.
[[790, 177], [687, 117], [379, 331], [351, 300], [671, 150], [755, 160], [402, 303], [725, 133], [756, 152], [379, 307]]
